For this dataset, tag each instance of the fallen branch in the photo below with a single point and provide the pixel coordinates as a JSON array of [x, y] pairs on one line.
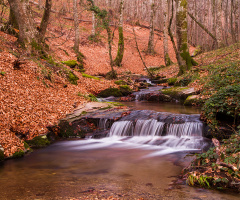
[[202, 26]]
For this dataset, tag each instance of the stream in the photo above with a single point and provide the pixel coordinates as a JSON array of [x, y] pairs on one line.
[[140, 158]]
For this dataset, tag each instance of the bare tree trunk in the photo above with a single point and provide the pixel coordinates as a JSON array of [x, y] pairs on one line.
[[40, 4], [45, 20], [151, 35], [236, 22], [186, 61], [167, 59], [93, 24], [219, 23], [24, 18], [76, 26], [120, 52]]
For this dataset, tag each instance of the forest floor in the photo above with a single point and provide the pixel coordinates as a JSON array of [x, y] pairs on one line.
[[31, 100], [35, 96]]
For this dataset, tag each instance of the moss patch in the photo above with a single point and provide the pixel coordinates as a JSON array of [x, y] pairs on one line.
[[110, 92], [89, 76], [120, 82], [72, 78], [18, 154], [38, 142], [192, 100], [125, 90], [70, 63]]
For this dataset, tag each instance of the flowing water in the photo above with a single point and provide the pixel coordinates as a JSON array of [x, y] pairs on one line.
[[140, 158]]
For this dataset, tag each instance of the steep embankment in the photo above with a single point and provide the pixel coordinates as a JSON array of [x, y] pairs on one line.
[[33, 96]]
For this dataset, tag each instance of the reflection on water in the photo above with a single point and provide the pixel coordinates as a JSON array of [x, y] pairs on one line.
[[77, 170], [163, 107]]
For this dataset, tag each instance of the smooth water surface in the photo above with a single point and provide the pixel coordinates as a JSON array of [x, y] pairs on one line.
[[90, 169], [163, 107]]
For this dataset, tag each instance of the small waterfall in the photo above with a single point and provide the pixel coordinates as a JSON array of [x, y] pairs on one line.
[[149, 127], [103, 124], [159, 131], [176, 137], [121, 128], [185, 129]]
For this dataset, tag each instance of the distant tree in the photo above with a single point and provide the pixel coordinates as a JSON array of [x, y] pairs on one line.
[[151, 34], [165, 6], [104, 16], [76, 26], [118, 59], [219, 23]]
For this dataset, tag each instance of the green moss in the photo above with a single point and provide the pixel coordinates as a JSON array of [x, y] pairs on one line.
[[173, 91], [172, 81], [70, 63], [115, 104], [120, 82], [110, 92], [89, 76], [125, 90], [18, 154], [26, 146], [120, 52], [168, 61], [2, 73], [72, 78], [192, 100], [38, 142]]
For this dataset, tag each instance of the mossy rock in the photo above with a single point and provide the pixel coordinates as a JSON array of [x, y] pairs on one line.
[[111, 75], [110, 92], [1, 155], [125, 90], [77, 128], [183, 81], [72, 78], [38, 142], [179, 93], [18, 154], [120, 82], [197, 51], [70, 63], [172, 81], [192, 100]]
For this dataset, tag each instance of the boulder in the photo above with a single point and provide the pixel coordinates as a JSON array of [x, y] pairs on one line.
[[179, 93]]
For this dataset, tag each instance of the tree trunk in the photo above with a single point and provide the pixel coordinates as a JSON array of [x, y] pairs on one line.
[[45, 20], [236, 22], [151, 35], [219, 23], [120, 52], [76, 26], [24, 18], [167, 59], [12, 21], [185, 60]]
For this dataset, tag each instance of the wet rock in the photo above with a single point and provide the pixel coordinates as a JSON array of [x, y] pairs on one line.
[[1, 153], [192, 100], [38, 142], [179, 93]]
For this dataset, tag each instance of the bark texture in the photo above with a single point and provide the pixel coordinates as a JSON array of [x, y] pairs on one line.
[[118, 59], [24, 19], [185, 60]]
